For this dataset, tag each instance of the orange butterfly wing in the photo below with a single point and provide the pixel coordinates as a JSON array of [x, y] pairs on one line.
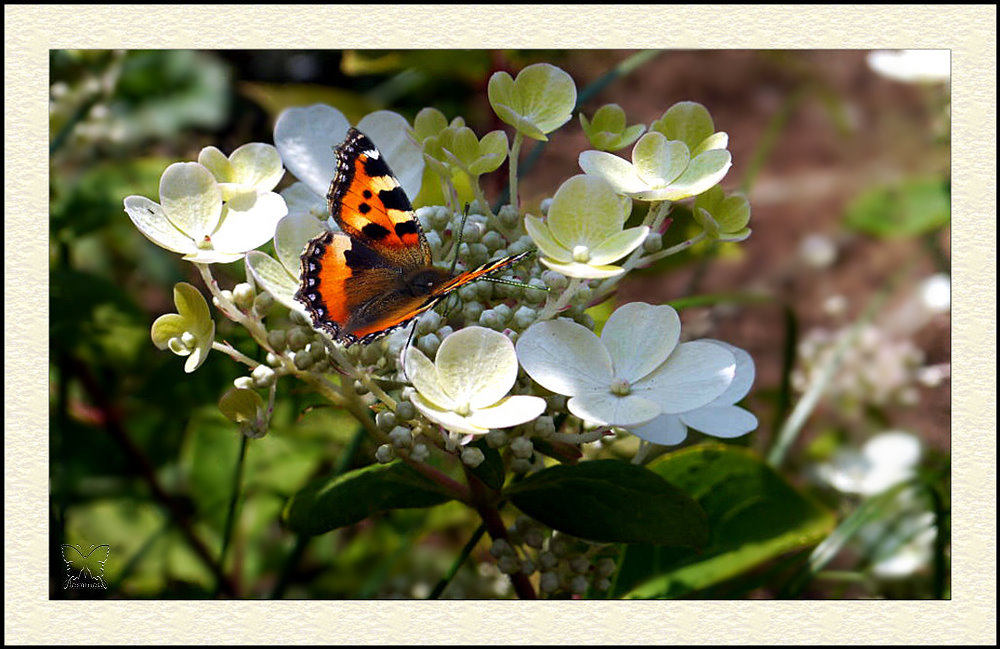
[[376, 275]]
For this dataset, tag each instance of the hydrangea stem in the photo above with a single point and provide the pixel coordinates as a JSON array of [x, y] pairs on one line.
[[515, 153], [227, 533], [552, 307], [235, 354]]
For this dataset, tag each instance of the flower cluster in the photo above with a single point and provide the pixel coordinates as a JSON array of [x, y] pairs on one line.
[[515, 363]]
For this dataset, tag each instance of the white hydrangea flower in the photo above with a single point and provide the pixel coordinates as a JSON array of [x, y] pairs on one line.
[[661, 169], [720, 417], [465, 388], [583, 232], [192, 219], [635, 372], [307, 136]]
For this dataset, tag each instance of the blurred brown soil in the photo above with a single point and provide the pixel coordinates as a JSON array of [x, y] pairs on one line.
[[821, 160]]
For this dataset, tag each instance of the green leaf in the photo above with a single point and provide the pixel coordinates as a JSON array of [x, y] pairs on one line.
[[753, 513], [352, 497], [910, 208], [611, 501]]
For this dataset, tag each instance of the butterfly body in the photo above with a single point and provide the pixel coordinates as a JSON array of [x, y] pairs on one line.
[[377, 273]]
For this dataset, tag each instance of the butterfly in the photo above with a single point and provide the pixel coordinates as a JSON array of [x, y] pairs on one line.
[[377, 273], [88, 566]]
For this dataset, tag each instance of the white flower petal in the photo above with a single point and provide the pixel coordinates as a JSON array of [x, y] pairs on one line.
[[257, 165], [618, 245], [476, 366], [391, 134], [275, 279], [422, 373], [742, 380], [249, 221], [291, 236], [213, 257], [150, 219], [510, 411], [640, 337], [612, 410], [695, 374], [302, 200], [564, 357], [893, 449], [704, 172], [619, 173], [659, 161], [449, 419], [216, 161], [191, 199], [305, 138], [666, 430], [583, 271], [585, 211], [546, 243], [720, 421]]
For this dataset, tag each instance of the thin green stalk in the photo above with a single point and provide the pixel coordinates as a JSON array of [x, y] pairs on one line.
[[515, 153], [810, 399], [552, 307], [227, 533], [462, 556], [599, 84]]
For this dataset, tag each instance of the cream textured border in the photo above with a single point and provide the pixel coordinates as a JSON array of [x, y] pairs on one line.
[[969, 31]]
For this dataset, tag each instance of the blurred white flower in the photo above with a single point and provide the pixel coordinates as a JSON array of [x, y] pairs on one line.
[[818, 251], [885, 460], [912, 66]]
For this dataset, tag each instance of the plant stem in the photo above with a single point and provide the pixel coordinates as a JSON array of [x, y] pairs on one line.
[[515, 153], [552, 307], [233, 500], [462, 556]]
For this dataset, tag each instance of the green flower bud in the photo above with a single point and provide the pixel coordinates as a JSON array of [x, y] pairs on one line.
[[605, 567], [384, 454], [272, 359], [276, 338], [534, 538], [522, 447], [653, 242], [420, 452], [527, 567], [508, 217], [578, 585], [493, 240], [405, 411], [401, 437], [496, 438], [503, 312], [544, 426], [386, 421], [472, 456], [602, 584], [299, 318], [520, 465], [263, 303], [429, 344], [263, 376], [243, 295], [549, 582], [547, 560], [472, 310], [243, 383], [297, 339], [491, 320], [303, 359], [524, 316], [501, 548], [508, 565], [555, 281], [579, 564]]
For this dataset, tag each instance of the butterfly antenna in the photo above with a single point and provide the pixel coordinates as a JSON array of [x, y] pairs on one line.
[[458, 238], [402, 355]]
